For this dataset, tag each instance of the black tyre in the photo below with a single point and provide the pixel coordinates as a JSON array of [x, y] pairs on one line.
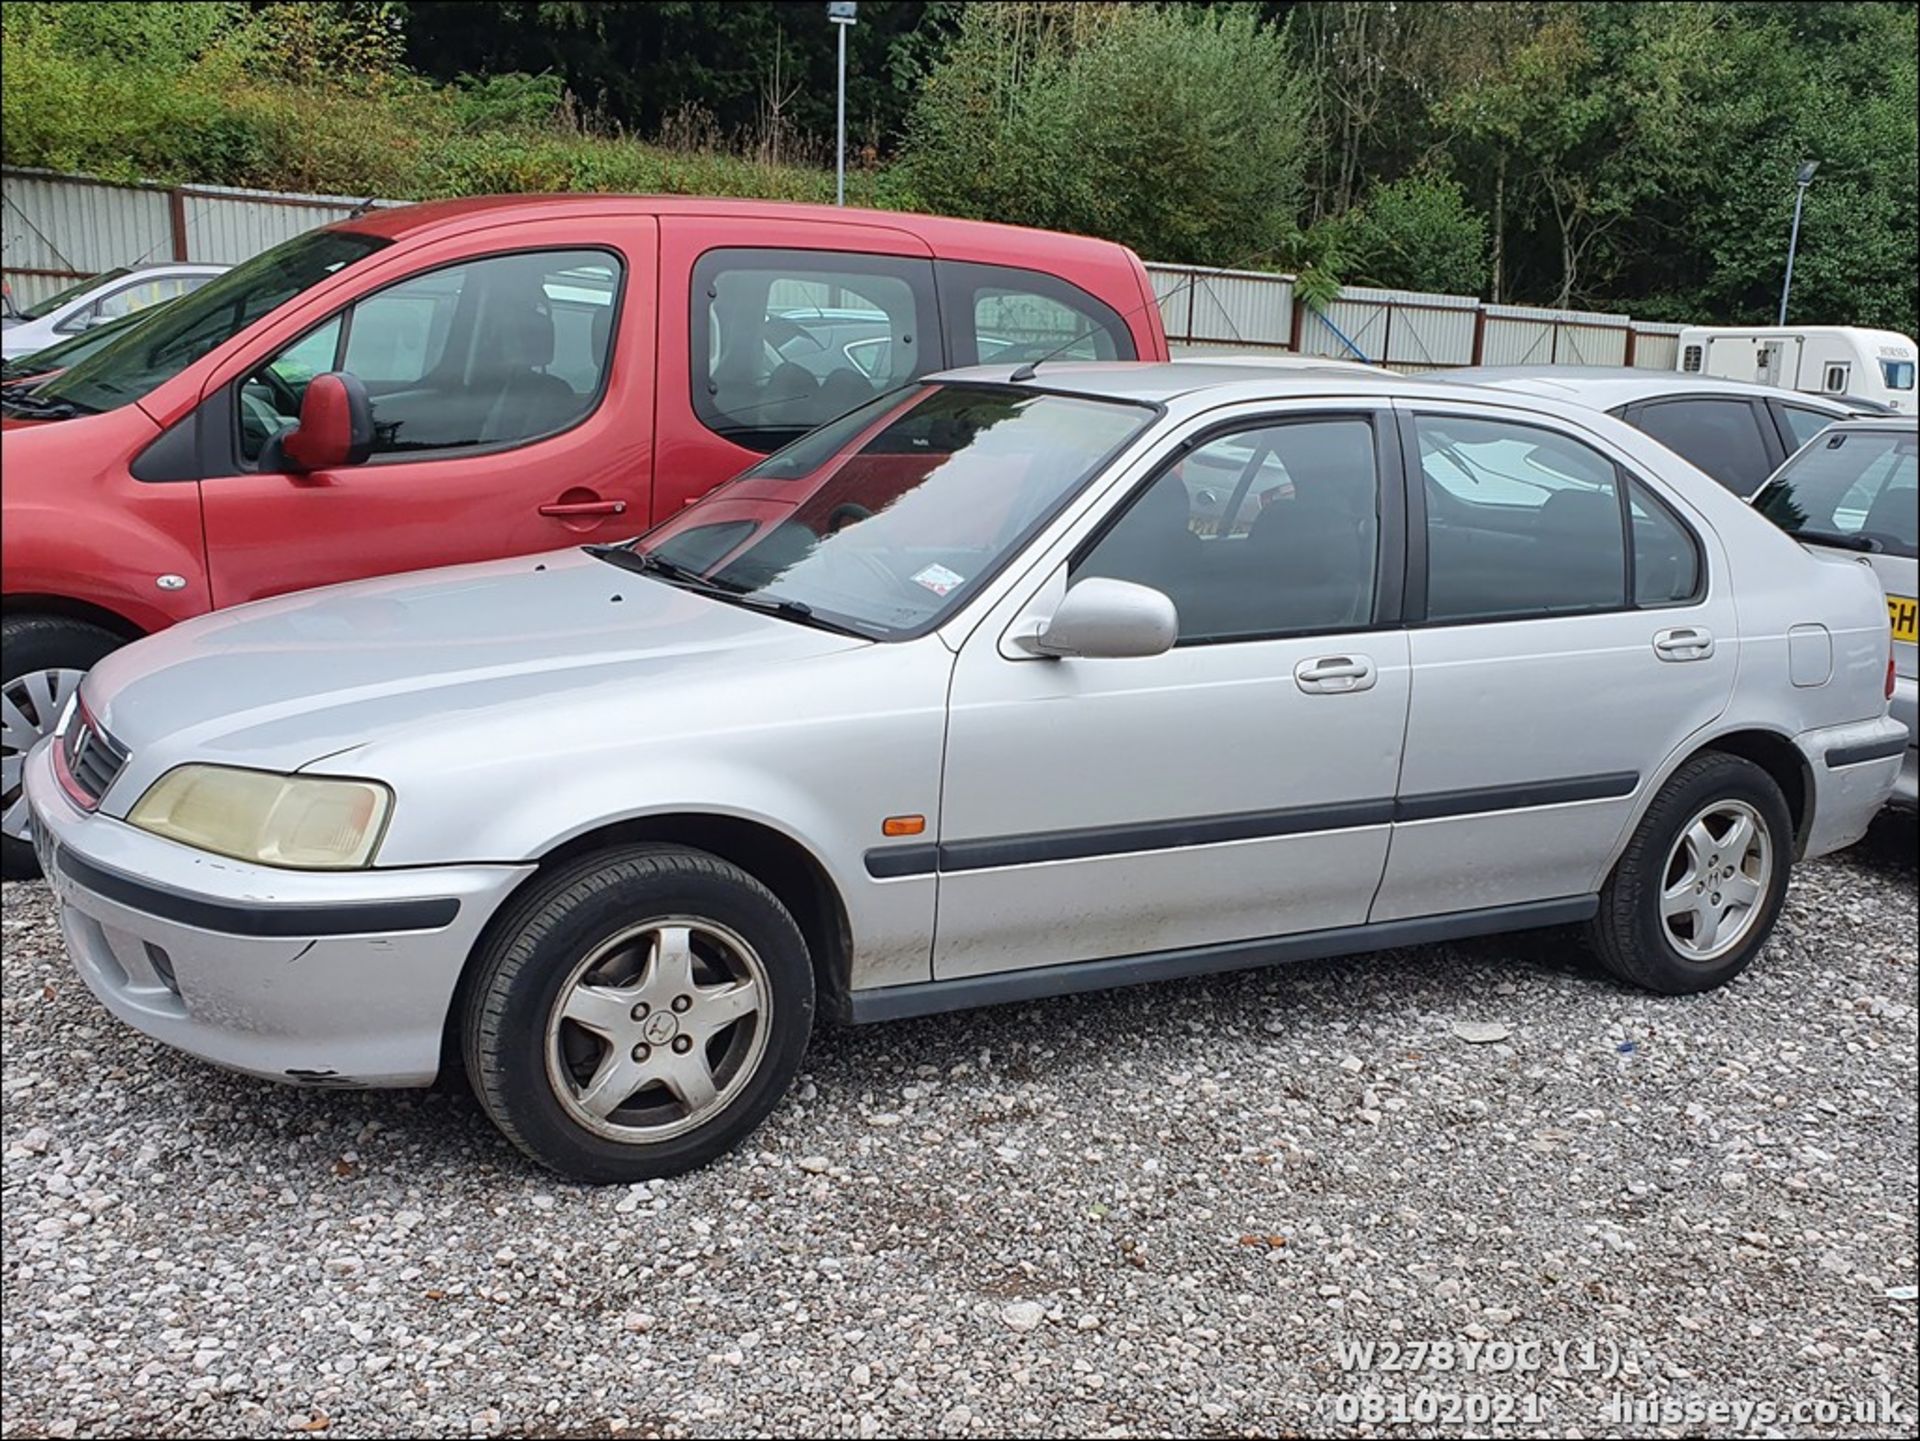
[[638, 1013], [42, 658], [1699, 887]]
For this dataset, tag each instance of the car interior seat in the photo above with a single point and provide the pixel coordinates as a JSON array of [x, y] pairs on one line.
[[511, 353]]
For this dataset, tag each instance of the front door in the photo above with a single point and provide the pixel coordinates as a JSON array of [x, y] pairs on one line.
[[512, 408], [1236, 787], [1577, 629]]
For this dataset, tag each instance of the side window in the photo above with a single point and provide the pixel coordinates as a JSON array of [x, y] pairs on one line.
[[1521, 522], [1801, 424], [139, 297], [1836, 379], [999, 313], [1666, 557], [400, 334], [786, 340], [1721, 437], [1268, 531], [484, 354]]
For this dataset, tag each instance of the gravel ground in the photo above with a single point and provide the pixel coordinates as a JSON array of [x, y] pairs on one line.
[[1163, 1210]]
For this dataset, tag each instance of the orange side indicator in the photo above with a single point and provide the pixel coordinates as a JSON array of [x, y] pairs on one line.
[[903, 825]]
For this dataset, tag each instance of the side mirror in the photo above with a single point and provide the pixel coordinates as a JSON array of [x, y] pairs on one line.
[[335, 428], [1104, 619]]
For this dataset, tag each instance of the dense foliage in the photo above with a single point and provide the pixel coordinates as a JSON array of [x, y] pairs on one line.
[[1088, 118], [1606, 154]]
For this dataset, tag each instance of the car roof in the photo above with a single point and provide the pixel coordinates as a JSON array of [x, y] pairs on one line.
[[1156, 382], [1878, 422], [1255, 360], [411, 221], [1606, 386]]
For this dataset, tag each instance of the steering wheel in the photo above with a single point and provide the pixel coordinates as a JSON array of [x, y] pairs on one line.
[[286, 400]]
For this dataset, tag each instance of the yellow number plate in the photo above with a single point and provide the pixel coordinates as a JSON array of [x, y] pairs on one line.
[[1903, 613]]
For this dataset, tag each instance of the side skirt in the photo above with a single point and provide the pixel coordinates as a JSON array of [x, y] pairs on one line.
[[926, 998]]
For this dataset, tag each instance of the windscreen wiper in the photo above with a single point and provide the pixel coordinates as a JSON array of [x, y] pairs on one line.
[[1840, 538], [41, 407], [647, 563]]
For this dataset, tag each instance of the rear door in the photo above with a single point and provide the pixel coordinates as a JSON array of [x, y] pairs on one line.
[[1569, 629], [769, 328], [511, 380]]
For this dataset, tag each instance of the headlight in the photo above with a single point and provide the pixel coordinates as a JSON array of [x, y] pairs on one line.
[[301, 822]]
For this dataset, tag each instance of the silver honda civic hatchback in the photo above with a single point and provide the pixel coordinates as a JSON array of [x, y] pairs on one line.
[[955, 702]]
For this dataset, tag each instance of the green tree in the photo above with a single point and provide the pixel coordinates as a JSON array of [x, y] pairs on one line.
[[1180, 132], [1415, 234]]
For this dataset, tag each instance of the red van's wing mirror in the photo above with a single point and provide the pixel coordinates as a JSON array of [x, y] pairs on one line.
[[335, 428]]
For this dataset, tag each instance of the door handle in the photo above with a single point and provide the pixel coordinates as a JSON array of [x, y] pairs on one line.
[[584, 507], [1683, 642], [1335, 674]]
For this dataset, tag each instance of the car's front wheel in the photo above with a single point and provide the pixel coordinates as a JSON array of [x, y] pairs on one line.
[[43, 659], [1696, 893], [638, 1014]]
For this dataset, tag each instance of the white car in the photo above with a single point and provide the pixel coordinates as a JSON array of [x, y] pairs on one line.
[[1736, 431], [108, 296], [951, 703], [1854, 490]]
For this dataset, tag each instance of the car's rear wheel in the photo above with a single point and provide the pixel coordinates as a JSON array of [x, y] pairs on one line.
[[638, 1014], [42, 661], [1699, 887]]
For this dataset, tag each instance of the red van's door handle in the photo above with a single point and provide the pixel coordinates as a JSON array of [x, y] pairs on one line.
[[584, 507]]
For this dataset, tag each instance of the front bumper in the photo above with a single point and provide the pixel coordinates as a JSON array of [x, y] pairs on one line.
[[310, 977], [1854, 769]]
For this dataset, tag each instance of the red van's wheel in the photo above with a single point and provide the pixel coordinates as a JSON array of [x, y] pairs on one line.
[[42, 658]]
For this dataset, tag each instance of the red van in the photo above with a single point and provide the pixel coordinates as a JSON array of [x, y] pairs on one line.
[[501, 375]]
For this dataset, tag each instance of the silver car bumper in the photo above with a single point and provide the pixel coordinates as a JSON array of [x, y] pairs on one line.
[[1854, 769], [1906, 710], [317, 978]]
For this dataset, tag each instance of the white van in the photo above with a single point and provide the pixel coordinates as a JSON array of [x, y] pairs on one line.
[[1874, 365]]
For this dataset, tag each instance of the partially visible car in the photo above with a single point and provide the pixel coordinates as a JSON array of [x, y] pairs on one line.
[[1737, 432], [39, 365], [1852, 491], [99, 300], [612, 825]]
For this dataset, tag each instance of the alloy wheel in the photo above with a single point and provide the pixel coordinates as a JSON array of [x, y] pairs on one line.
[[658, 1029], [1716, 880]]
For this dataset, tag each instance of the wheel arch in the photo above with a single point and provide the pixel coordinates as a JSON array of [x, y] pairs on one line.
[[1781, 759], [27, 603], [779, 862]]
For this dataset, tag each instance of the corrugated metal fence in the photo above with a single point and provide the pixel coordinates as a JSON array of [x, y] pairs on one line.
[[63, 228], [56, 229]]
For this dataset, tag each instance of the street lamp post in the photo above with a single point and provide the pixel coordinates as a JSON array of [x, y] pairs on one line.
[[842, 14], [1801, 180]]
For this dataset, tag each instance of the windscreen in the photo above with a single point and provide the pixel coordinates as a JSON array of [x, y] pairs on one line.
[[193, 325], [1853, 487], [44, 308], [885, 520]]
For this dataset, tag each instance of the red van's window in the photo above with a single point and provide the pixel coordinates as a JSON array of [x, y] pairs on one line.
[[999, 314], [785, 340], [487, 353]]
